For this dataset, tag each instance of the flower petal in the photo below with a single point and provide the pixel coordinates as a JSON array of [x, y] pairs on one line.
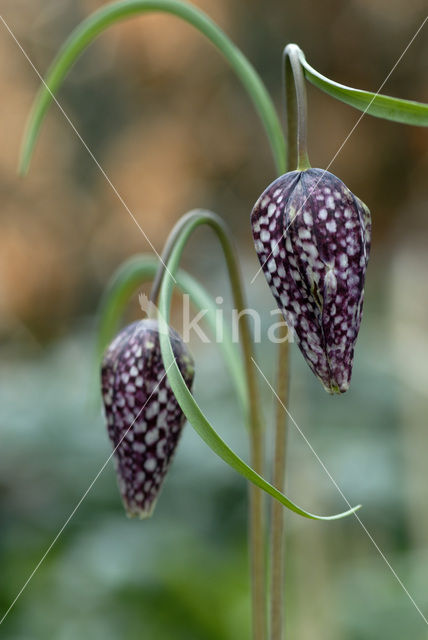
[[312, 237], [144, 420]]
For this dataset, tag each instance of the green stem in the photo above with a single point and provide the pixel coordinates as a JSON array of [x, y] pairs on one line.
[[169, 245], [100, 20], [128, 278], [297, 110], [203, 427], [187, 402], [277, 514], [192, 410], [183, 228]]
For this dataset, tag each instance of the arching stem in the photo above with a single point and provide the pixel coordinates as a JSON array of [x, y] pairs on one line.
[[168, 247], [186, 224], [114, 12], [127, 279], [296, 108]]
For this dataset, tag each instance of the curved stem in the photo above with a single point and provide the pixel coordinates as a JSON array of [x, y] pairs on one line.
[[187, 402], [202, 425], [169, 245], [190, 221], [106, 16], [128, 278], [296, 107]]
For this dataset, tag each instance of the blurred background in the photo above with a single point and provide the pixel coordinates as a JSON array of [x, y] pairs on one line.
[[174, 130]]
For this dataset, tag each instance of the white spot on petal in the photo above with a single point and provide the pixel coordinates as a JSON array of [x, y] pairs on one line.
[[271, 209], [151, 436], [343, 260], [271, 265], [307, 217], [150, 464]]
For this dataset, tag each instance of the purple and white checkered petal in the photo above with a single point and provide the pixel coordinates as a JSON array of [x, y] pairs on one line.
[[323, 236], [144, 420], [267, 221]]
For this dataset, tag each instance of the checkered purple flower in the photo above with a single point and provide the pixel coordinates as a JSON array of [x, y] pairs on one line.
[[312, 237], [144, 420]]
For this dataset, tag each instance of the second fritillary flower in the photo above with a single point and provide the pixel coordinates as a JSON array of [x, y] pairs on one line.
[[144, 419]]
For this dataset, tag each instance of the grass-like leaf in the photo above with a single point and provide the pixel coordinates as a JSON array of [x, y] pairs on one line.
[[125, 282], [187, 402], [99, 21], [375, 104]]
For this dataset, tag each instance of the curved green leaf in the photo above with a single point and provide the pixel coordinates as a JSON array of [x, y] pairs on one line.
[[126, 280], [375, 104], [90, 28], [184, 397]]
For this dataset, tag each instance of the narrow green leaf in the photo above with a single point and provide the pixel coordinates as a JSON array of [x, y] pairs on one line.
[[185, 399], [128, 278], [378, 105], [93, 26]]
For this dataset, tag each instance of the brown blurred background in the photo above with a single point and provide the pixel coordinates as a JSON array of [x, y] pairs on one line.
[[173, 129]]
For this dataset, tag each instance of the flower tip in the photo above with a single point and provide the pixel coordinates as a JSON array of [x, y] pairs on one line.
[[335, 390], [335, 387], [135, 512]]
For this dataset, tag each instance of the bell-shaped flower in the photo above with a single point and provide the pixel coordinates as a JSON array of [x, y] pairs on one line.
[[312, 237], [144, 420]]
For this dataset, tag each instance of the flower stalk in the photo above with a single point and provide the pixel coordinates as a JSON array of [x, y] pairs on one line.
[[296, 109], [277, 562], [257, 533], [297, 155]]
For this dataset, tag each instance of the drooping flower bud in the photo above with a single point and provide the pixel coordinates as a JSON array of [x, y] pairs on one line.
[[312, 237], [144, 420]]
